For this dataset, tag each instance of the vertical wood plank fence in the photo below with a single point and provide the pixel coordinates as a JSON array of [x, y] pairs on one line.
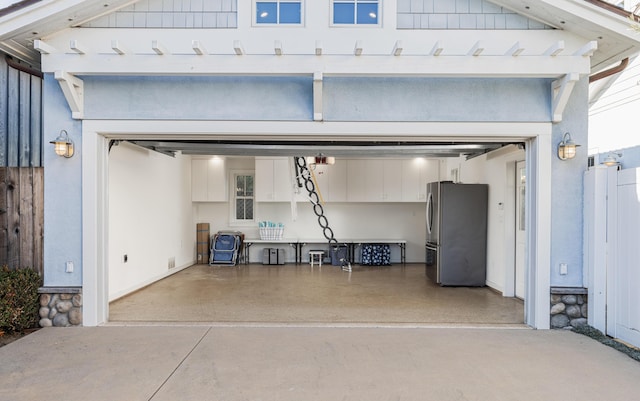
[[22, 217]]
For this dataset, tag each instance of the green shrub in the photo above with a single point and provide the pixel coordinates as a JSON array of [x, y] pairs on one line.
[[18, 299]]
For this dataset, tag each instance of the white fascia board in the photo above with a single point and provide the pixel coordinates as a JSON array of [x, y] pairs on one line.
[[345, 131], [302, 41], [382, 66]]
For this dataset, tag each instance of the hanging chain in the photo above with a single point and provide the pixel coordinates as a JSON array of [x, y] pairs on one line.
[[303, 171]]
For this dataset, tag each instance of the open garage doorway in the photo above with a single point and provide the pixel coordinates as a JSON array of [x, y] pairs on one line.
[[154, 275]]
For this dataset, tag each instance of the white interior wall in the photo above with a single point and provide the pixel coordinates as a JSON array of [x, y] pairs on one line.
[[347, 220], [150, 217], [500, 236]]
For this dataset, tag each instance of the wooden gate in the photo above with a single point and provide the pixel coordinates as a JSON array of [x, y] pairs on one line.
[[21, 217], [623, 272]]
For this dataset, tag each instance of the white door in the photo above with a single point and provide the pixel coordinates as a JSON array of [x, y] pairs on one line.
[[521, 181]]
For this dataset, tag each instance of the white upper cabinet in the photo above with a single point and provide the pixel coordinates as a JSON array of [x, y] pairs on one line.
[[209, 180], [273, 179], [332, 181], [416, 173], [374, 180]]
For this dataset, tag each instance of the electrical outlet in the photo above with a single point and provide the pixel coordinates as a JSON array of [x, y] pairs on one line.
[[68, 267], [564, 269]]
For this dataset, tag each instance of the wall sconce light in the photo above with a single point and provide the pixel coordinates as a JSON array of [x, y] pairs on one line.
[[63, 145], [321, 159], [612, 159], [567, 148]]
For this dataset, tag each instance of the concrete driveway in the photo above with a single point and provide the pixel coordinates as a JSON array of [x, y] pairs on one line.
[[298, 362]]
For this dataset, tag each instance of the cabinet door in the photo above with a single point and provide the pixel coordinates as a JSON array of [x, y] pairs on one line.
[[337, 177], [282, 186], [356, 180], [264, 180], [217, 180], [199, 187], [412, 180], [392, 182], [374, 177]]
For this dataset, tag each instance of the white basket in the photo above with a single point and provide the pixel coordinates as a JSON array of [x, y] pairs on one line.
[[271, 233]]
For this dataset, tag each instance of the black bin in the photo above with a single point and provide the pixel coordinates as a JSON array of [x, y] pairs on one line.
[[338, 252]]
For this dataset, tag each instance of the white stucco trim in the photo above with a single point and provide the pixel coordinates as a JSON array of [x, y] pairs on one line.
[[309, 130], [96, 133], [538, 271], [95, 210]]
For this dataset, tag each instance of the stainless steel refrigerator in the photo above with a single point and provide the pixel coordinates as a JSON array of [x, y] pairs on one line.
[[457, 233]]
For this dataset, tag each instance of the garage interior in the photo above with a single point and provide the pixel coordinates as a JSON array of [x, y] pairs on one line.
[[144, 287]]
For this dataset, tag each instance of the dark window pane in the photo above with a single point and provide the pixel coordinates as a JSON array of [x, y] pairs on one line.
[[266, 12], [249, 186], [240, 187], [343, 13], [367, 13], [248, 209], [239, 209], [290, 13]]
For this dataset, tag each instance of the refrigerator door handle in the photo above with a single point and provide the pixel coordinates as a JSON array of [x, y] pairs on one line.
[[429, 212]]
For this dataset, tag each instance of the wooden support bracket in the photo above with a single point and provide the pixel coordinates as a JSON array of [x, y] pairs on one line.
[[561, 91], [73, 89]]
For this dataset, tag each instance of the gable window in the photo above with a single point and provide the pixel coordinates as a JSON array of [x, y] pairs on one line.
[[279, 12], [243, 197], [356, 12]]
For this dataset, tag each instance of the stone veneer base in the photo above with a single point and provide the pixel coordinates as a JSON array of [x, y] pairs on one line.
[[60, 306], [568, 307]]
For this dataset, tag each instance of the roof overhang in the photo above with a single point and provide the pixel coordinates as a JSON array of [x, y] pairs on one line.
[[587, 19]]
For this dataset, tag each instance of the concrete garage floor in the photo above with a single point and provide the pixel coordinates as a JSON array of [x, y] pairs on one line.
[[299, 294]]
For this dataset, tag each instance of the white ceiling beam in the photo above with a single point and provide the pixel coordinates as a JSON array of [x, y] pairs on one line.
[[587, 50], [198, 48], [357, 50], [561, 91], [158, 48], [397, 48], [118, 47], [555, 49], [317, 96], [75, 46], [73, 90], [277, 48], [318, 48], [238, 49], [436, 50], [515, 50], [477, 49], [43, 47]]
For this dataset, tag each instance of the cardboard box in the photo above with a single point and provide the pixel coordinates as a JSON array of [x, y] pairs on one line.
[[202, 243]]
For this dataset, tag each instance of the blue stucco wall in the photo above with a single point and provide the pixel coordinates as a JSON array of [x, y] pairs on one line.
[[199, 98], [435, 99], [290, 99], [62, 192], [567, 191]]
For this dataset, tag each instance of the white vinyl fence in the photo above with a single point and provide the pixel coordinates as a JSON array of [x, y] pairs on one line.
[[612, 251]]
